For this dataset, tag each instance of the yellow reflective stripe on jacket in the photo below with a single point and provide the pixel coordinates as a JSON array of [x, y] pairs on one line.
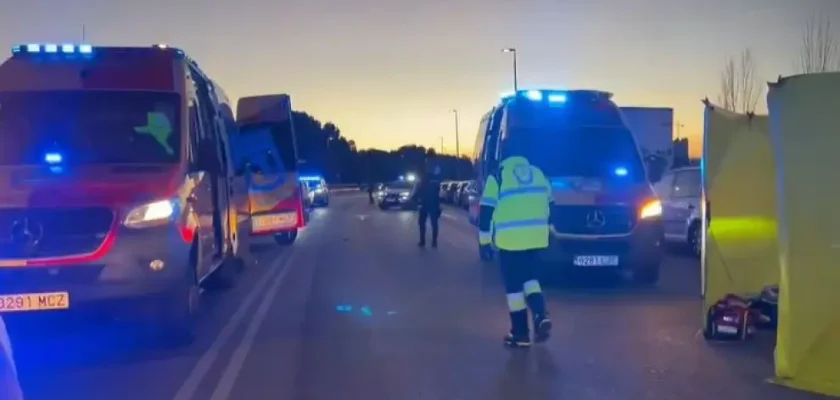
[[485, 238]]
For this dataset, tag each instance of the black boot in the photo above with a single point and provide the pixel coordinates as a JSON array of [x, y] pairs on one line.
[[518, 336], [542, 325]]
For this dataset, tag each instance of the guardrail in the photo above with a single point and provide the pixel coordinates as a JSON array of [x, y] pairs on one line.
[[344, 187]]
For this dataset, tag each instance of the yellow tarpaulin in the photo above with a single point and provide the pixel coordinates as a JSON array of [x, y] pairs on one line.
[[805, 131], [740, 253]]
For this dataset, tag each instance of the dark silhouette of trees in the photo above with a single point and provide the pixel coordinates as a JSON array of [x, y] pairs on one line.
[[323, 150]]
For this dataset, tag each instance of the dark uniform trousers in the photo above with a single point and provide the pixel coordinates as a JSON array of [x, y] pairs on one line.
[[433, 216], [519, 268]]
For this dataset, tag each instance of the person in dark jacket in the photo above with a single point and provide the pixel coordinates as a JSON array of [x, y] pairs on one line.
[[427, 197]]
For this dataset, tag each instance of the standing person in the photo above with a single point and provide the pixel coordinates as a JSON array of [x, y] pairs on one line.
[[9, 385], [427, 197], [514, 215], [370, 192]]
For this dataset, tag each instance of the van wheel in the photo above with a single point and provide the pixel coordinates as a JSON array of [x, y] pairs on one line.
[[647, 274], [175, 317], [695, 242], [286, 238]]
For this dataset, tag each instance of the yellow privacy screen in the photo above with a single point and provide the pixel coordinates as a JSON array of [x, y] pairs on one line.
[[159, 128], [741, 253], [805, 131]]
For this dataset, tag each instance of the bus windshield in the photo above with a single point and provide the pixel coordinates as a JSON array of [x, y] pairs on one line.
[[89, 127], [584, 151]]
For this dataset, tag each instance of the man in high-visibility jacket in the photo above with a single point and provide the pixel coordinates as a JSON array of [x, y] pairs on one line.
[[514, 215]]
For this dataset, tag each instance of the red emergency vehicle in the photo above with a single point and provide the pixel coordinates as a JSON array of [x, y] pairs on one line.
[[114, 191]]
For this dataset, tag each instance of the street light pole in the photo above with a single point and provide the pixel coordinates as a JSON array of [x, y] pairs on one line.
[[457, 138], [515, 74], [441, 145]]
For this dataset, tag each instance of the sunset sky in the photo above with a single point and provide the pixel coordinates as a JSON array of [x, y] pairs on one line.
[[388, 72]]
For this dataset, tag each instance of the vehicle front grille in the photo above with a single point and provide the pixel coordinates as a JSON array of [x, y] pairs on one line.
[[27, 233], [593, 220], [13, 280]]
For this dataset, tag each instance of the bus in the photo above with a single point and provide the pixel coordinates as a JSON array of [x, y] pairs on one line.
[[114, 185], [267, 155], [604, 213]]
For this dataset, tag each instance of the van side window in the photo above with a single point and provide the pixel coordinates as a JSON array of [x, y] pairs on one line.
[[478, 150], [193, 149], [687, 184], [664, 187], [491, 145], [209, 150]]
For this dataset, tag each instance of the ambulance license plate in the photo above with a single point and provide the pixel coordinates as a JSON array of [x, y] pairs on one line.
[[34, 302], [272, 222], [596, 261]]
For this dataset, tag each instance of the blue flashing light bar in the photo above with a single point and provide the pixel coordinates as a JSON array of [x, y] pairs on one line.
[[556, 98], [34, 48], [621, 171], [534, 95], [552, 96], [53, 158], [309, 178]]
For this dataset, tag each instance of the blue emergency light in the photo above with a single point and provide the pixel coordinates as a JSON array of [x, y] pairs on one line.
[[310, 178], [552, 96], [35, 48], [53, 158], [621, 171], [534, 95]]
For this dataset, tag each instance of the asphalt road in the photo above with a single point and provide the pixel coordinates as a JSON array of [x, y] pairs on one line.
[[355, 310]]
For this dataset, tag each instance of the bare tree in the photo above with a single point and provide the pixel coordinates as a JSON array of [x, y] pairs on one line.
[[819, 52], [740, 89]]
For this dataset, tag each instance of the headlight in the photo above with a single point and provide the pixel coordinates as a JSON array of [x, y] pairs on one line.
[[651, 209], [319, 190], [151, 214], [404, 194]]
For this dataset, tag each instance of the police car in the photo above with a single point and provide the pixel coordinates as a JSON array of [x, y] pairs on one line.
[[604, 214], [318, 192]]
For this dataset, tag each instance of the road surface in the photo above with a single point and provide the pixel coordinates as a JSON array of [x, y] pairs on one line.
[[355, 310]]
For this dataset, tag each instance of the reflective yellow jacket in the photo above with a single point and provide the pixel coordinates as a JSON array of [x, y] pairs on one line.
[[514, 213]]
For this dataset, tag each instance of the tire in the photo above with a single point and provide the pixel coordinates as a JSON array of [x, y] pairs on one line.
[[647, 274], [174, 321], [695, 242], [286, 238]]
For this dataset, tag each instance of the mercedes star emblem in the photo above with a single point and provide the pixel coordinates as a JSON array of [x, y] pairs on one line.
[[595, 219], [26, 232]]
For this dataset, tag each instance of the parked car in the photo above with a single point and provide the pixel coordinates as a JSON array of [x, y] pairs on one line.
[[444, 190], [468, 194], [451, 193], [680, 192]]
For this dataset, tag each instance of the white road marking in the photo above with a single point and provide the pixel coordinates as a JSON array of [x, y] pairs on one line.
[[202, 367], [225, 385], [452, 217]]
